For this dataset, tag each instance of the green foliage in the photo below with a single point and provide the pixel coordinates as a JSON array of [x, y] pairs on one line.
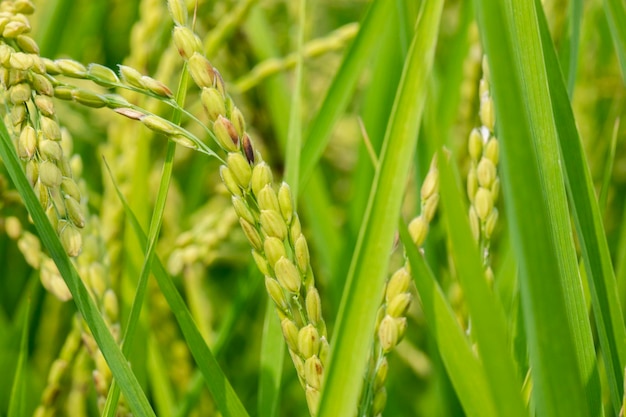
[[166, 312]]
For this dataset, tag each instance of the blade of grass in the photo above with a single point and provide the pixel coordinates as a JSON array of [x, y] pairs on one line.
[[588, 220], [115, 359], [160, 385], [620, 267], [375, 110], [271, 365], [464, 369], [223, 393], [565, 376], [294, 135], [615, 11], [608, 168], [153, 232], [17, 405], [357, 313], [488, 322], [226, 332], [49, 30], [575, 19], [342, 86]]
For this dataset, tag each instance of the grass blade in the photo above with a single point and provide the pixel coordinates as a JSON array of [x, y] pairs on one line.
[[223, 393], [342, 86], [588, 219], [464, 369], [355, 322], [563, 365], [153, 233], [575, 19], [487, 315], [616, 16], [294, 135], [272, 354], [17, 406]]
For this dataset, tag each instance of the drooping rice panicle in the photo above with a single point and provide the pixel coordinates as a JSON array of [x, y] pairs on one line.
[[266, 216]]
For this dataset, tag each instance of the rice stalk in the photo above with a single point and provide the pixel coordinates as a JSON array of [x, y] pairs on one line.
[[334, 41]]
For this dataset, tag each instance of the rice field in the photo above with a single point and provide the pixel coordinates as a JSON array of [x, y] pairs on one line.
[[352, 208]]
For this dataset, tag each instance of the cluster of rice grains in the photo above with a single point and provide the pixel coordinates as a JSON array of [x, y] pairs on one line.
[[267, 217], [483, 184], [32, 124]]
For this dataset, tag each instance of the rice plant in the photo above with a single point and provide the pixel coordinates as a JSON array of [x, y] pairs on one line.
[[274, 208]]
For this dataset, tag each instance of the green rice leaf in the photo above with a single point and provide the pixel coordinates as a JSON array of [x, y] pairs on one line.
[[562, 357], [223, 393], [575, 19], [464, 369], [153, 233], [17, 405], [342, 86], [616, 15], [588, 219], [486, 313], [272, 354], [356, 319]]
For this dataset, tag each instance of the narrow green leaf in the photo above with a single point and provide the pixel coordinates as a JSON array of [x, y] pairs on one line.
[[223, 393], [294, 136], [464, 369], [355, 323], [153, 233], [486, 312], [17, 405], [271, 366], [117, 362], [563, 365], [160, 385], [608, 168], [588, 219], [342, 86], [575, 19], [49, 30], [616, 15]]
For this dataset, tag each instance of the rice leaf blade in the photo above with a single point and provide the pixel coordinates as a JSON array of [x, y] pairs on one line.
[[17, 405], [222, 391], [355, 322], [562, 357], [464, 369], [588, 220], [615, 11], [342, 86], [486, 312]]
